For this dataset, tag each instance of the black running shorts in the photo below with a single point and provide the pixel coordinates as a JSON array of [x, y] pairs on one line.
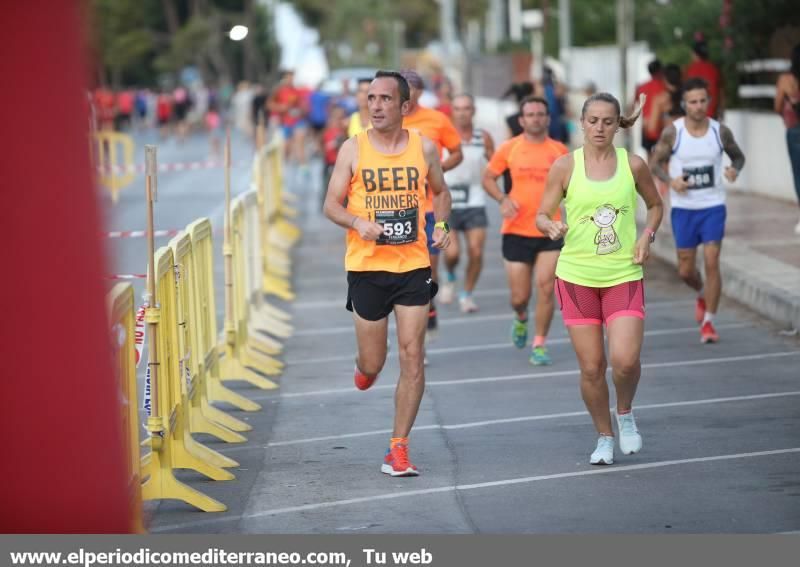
[[373, 295], [525, 248], [468, 218]]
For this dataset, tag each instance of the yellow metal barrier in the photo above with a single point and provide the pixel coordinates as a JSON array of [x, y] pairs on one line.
[[123, 325], [230, 360], [171, 443], [243, 235], [263, 317], [278, 234], [287, 232], [203, 417], [239, 349], [108, 148], [271, 264], [200, 232], [276, 260]]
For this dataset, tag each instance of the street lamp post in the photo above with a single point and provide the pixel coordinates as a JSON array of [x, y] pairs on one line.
[[533, 20], [565, 38], [238, 32]]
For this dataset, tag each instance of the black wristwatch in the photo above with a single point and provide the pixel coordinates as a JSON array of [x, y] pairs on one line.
[[652, 234]]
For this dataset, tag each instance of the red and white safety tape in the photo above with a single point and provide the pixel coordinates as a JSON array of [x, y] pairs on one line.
[[165, 167], [126, 276], [143, 233], [139, 233]]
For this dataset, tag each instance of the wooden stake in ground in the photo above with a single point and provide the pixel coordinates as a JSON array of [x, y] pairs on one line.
[[227, 247], [260, 134], [152, 312]]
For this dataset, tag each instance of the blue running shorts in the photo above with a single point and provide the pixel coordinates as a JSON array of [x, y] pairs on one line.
[[692, 227]]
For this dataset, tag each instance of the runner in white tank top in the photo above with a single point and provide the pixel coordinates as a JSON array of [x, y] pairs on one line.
[[468, 214], [698, 160], [693, 146]]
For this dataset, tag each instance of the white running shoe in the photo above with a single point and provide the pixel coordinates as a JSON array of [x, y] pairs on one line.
[[467, 305], [629, 439], [604, 453], [447, 293], [797, 228]]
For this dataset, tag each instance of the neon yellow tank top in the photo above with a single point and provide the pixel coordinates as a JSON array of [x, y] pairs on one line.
[[601, 216]]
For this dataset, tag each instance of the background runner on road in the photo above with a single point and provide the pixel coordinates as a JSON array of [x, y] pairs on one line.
[[528, 157], [469, 204], [694, 145]]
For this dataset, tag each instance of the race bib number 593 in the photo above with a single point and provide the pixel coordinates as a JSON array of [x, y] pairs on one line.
[[400, 226]]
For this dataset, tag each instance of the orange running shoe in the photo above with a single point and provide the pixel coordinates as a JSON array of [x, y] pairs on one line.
[[699, 310], [396, 462], [363, 382], [708, 334]]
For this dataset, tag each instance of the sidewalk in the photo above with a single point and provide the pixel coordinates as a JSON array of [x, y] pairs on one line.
[[760, 256]]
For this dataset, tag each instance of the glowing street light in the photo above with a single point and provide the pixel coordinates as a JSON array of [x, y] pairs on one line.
[[238, 33]]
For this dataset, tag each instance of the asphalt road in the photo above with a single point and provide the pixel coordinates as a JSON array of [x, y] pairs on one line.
[[502, 446]]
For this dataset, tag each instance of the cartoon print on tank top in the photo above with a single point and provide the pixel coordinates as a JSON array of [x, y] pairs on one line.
[[604, 218]]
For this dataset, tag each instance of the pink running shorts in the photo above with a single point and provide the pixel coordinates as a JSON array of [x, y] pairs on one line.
[[582, 305]]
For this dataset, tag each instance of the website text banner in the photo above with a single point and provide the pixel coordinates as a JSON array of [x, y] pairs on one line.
[[396, 550]]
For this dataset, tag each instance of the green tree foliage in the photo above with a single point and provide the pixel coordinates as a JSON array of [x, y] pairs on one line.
[[120, 37], [138, 41], [357, 23]]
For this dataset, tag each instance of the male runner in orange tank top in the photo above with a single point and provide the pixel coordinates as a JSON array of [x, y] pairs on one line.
[[382, 174]]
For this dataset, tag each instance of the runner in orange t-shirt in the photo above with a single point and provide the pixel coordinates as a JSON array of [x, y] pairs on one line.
[[437, 127], [383, 172], [528, 157]]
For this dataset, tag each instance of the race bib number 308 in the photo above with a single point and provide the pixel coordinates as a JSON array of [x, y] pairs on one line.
[[400, 226]]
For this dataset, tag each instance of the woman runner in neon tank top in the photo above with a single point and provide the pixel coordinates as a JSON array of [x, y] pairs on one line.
[[599, 272]]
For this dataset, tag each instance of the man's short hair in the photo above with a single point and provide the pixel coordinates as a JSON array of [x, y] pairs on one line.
[[654, 67], [533, 98], [695, 83], [402, 84], [701, 49], [467, 96]]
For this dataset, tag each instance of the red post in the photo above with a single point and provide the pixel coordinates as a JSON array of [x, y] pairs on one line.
[[63, 460]]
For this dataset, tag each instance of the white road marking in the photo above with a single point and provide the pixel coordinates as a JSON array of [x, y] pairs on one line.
[[504, 345], [490, 422], [613, 470]]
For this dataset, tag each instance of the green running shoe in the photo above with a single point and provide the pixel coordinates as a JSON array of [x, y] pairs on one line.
[[519, 333], [539, 357]]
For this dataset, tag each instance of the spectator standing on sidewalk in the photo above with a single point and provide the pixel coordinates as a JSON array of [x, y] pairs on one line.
[[701, 67], [787, 104], [651, 89]]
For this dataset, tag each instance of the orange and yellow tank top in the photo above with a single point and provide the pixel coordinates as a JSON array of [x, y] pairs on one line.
[[389, 189]]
